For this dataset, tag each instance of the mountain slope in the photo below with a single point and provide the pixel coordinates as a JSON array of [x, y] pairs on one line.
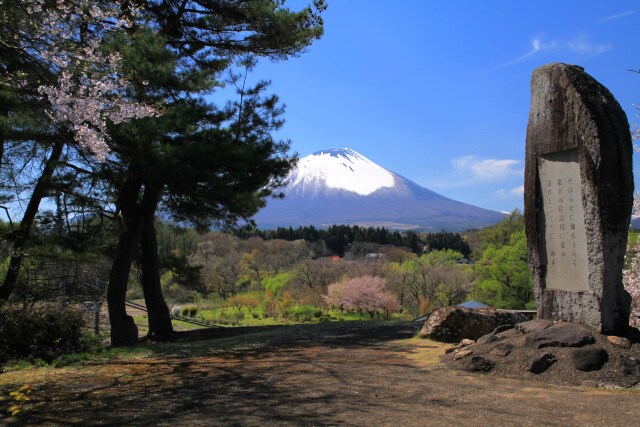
[[340, 186]]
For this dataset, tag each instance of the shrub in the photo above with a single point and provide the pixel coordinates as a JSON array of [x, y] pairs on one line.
[[303, 312], [189, 311], [40, 333]]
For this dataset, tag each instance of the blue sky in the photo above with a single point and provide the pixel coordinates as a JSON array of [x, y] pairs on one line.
[[439, 91]]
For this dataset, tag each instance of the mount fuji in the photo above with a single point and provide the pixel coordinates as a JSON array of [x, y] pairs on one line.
[[341, 186]]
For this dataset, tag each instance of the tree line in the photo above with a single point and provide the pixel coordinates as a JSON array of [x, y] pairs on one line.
[[338, 237]]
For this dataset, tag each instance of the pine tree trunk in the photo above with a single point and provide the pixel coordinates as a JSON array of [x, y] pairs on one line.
[[123, 330], [159, 316], [24, 231]]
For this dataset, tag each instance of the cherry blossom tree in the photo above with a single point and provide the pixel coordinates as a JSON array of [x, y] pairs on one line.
[[81, 85], [365, 293], [56, 63], [631, 275]]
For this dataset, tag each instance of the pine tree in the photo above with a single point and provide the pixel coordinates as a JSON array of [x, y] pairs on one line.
[[199, 162]]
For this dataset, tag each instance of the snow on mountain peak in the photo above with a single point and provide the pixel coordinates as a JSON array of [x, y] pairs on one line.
[[342, 169]]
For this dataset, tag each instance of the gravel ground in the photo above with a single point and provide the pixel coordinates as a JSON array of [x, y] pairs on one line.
[[349, 373]]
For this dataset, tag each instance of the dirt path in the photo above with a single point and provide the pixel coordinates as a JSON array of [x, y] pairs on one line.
[[336, 374]]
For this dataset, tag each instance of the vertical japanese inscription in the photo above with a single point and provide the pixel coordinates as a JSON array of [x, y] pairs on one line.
[[563, 246]]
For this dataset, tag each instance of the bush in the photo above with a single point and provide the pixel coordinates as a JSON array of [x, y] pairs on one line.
[[303, 312], [41, 333], [189, 311]]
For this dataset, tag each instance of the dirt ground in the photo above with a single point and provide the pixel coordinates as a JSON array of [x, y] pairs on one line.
[[346, 373]]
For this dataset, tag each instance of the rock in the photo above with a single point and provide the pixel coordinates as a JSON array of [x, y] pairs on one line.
[[475, 364], [502, 349], [619, 341], [629, 365], [489, 338], [578, 138], [534, 326], [508, 333], [452, 324], [562, 334], [540, 363], [450, 350], [502, 328], [462, 353], [589, 359], [466, 342]]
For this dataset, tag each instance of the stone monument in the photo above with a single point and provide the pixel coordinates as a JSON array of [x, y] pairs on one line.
[[578, 198]]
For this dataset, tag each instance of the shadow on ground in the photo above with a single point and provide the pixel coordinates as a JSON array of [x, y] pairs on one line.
[[329, 374]]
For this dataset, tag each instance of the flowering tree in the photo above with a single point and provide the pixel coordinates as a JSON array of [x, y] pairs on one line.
[[334, 295], [81, 85], [55, 63], [631, 275], [365, 293]]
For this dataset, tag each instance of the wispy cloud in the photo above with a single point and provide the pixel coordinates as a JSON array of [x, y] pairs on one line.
[[579, 45], [619, 15], [486, 170], [475, 170], [509, 193]]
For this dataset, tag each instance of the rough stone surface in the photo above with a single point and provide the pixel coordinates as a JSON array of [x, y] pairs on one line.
[[573, 113], [452, 324], [533, 326], [503, 328], [487, 339], [540, 363], [511, 354], [465, 342], [462, 353], [475, 364], [502, 349], [629, 365], [619, 341], [589, 359], [560, 335]]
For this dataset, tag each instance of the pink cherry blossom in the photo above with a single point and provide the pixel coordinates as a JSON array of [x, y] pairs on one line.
[[90, 88], [364, 293]]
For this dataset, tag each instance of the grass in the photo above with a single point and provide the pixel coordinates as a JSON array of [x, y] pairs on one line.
[[230, 316], [423, 350]]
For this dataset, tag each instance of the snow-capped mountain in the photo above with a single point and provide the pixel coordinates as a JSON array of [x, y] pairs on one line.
[[338, 169], [341, 186]]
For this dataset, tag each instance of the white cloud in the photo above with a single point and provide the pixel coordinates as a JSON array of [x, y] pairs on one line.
[[579, 45], [509, 193], [619, 15], [486, 170], [472, 171]]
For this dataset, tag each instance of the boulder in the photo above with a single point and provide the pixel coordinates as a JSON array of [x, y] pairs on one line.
[[589, 359], [534, 326], [486, 339], [502, 349], [560, 335], [629, 365], [453, 323], [540, 363], [462, 353], [475, 364]]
